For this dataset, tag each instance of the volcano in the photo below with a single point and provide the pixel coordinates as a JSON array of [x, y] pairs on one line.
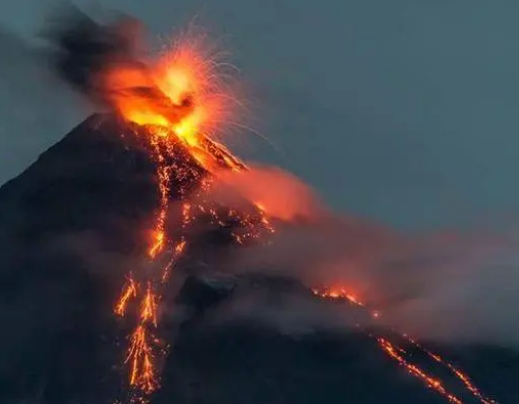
[[72, 228], [118, 260]]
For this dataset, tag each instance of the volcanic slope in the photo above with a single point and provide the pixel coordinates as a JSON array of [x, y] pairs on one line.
[[72, 226]]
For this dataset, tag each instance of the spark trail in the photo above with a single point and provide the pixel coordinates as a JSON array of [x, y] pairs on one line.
[[398, 354]]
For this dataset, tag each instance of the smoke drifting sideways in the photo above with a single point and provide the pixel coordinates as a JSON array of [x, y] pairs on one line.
[[450, 287]]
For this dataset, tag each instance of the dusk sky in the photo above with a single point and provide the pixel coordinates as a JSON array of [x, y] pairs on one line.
[[403, 111]]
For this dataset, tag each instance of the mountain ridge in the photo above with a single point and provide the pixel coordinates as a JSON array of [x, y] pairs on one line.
[[71, 226]]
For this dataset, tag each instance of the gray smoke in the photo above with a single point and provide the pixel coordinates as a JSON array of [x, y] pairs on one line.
[[451, 286]]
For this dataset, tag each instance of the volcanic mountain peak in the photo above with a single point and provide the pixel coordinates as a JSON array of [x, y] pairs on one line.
[[114, 243], [101, 171], [87, 178], [72, 227]]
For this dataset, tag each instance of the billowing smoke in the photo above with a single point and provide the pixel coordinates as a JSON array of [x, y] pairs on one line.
[[83, 49], [452, 287], [105, 63]]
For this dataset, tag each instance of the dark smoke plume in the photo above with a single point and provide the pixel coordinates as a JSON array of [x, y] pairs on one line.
[[83, 48], [104, 61]]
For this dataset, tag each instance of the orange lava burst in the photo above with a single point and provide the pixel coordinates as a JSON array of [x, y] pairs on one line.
[[189, 98], [186, 74]]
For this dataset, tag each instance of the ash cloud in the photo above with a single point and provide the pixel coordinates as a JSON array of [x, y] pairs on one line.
[[452, 287], [81, 49]]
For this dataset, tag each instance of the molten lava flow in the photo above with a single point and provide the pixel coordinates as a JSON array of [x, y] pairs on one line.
[[185, 103], [398, 354], [338, 293], [149, 307], [129, 291], [143, 342], [394, 353], [140, 357], [464, 378]]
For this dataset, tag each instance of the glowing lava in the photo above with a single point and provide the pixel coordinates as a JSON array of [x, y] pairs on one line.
[[189, 98], [464, 378], [430, 381], [181, 79], [397, 353], [129, 291], [186, 102], [140, 357]]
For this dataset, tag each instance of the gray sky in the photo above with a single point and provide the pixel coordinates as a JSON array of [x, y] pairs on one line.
[[404, 111]]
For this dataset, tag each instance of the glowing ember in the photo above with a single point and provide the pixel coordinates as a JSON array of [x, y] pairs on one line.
[[338, 293]]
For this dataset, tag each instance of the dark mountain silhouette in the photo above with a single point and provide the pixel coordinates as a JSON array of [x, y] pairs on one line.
[[72, 225]]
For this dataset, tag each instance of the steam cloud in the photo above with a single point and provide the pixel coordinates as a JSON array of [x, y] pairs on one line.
[[449, 287]]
